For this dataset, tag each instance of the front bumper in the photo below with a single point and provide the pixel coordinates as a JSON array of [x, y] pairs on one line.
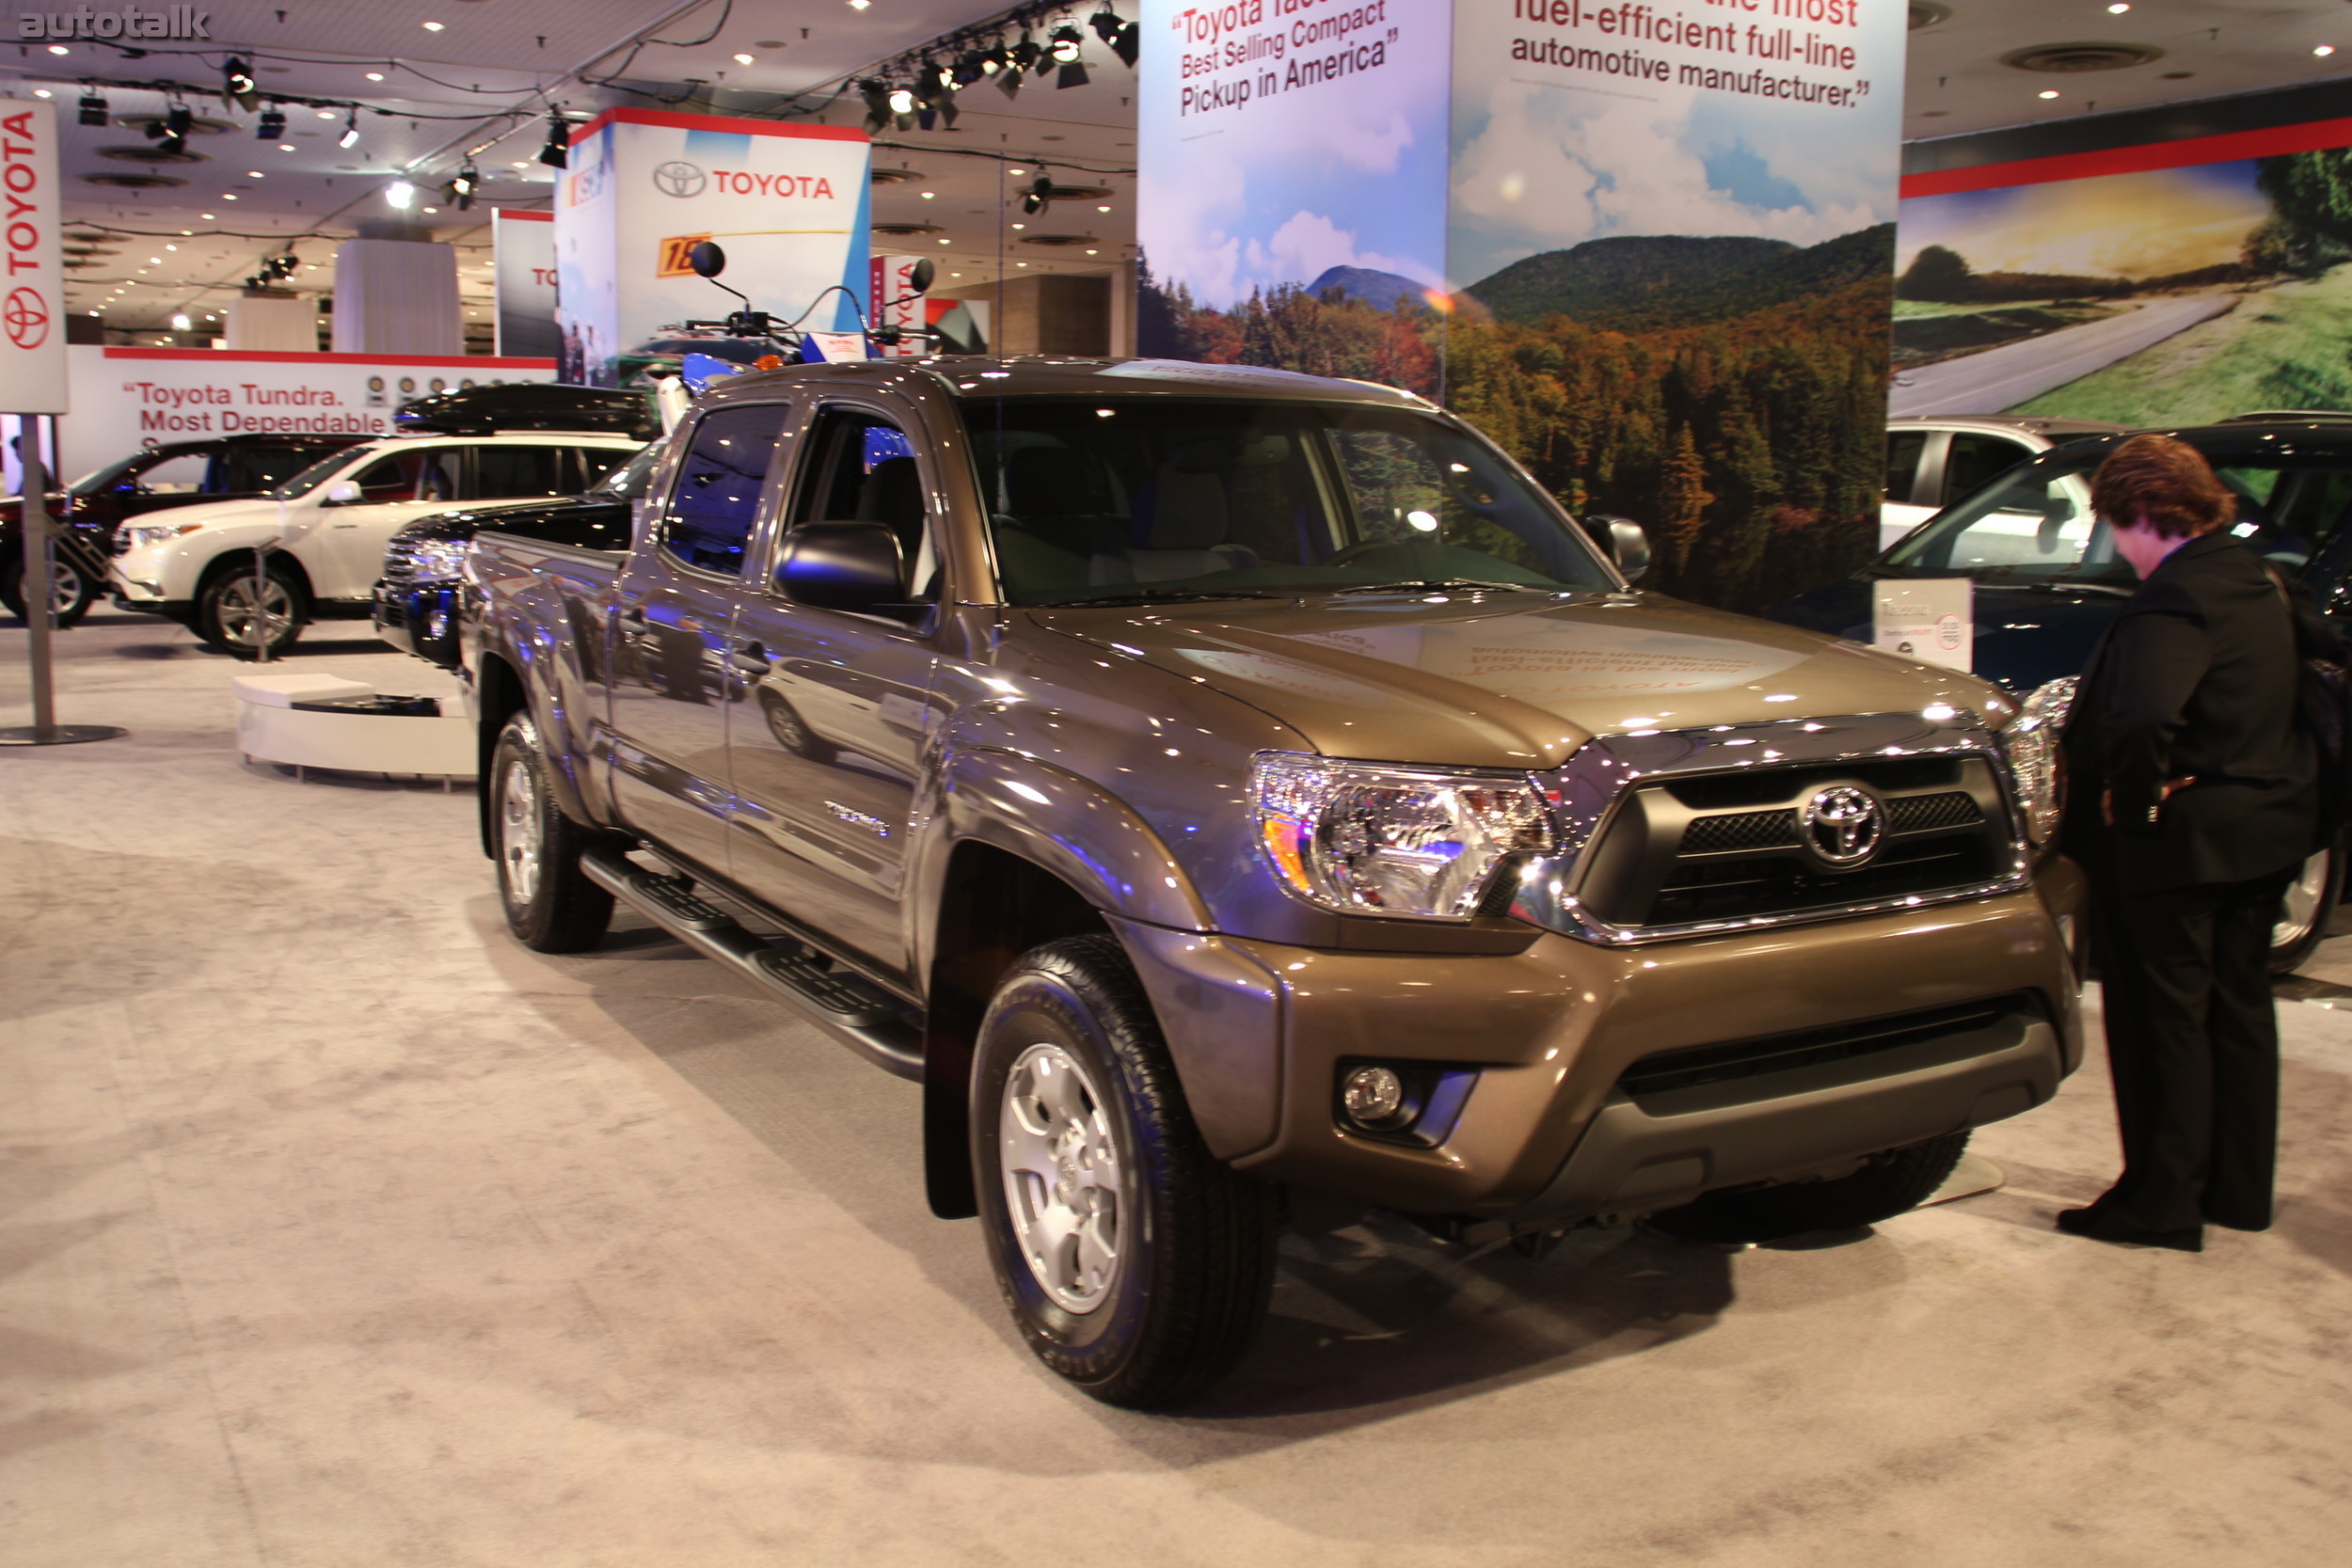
[[1548, 1134], [418, 618]]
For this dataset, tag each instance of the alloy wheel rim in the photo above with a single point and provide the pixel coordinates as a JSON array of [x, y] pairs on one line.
[[1067, 1190], [520, 834], [65, 588], [250, 627], [2302, 902]]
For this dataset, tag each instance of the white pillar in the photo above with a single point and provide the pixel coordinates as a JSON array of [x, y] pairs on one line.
[[272, 323], [396, 292]]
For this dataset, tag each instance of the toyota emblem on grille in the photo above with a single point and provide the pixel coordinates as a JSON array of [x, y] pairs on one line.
[[1842, 824]]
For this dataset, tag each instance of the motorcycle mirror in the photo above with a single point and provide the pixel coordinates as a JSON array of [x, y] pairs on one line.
[[919, 280], [707, 260]]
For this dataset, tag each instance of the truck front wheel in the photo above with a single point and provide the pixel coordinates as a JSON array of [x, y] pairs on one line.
[[550, 904], [1887, 1185], [244, 613], [1136, 1265]]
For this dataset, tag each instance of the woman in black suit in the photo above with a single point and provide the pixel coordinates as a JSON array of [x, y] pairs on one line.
[[2194, 797]]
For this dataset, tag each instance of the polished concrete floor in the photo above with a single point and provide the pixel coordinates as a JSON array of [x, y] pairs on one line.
[[339, 1229]]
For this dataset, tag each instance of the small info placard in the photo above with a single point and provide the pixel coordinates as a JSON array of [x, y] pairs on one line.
[[1929, 619]]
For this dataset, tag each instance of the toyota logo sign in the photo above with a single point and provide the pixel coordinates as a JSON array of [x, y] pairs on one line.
[[1842, 824], [679, 178], [26, 317]]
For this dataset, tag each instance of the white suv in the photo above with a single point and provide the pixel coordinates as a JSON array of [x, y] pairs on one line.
[[322, 531]]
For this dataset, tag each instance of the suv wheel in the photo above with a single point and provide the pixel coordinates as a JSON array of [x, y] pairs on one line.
[[1887, 1185], [1136, 1265], [71, 593], [245, 614], [550, 904], [2303, 918]]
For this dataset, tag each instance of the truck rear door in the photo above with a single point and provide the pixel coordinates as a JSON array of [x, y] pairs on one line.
[[671, 680], [829, 730]]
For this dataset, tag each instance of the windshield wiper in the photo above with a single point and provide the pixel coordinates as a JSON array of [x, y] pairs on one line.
[[1172, 596], [1435, 585]]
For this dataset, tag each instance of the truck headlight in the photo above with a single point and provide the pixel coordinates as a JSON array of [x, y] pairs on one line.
[[438, 559], [1391, 839], [2035, 766], [143, 535]]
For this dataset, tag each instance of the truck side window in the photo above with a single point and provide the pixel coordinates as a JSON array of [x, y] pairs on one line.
[[1975, 459], [861, 469], [1904, 449], [708, 521], [414, 474], [181, 474]]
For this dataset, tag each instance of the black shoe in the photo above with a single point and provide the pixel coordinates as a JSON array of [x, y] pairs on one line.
[[2104, 1227], [2242, 1223]]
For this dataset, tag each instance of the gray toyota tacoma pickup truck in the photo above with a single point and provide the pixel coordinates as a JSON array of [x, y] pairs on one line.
[[1213, 785]]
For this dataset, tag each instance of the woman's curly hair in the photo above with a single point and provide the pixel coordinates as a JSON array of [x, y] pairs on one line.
[[2168, 482]]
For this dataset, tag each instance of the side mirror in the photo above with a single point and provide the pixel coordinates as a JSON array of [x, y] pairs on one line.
[[707, 260], [1623, 538], [343, 492], [850, 567], [919, 276]]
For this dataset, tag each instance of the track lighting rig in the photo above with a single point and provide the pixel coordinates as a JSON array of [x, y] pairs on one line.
[[918, 88]]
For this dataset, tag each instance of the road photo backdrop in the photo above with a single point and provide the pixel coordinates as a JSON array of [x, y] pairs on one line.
[[1648, 247], [2171, 283]]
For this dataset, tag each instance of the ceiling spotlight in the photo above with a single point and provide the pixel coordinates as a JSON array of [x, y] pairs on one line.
[[860, 5], [326, 113], [558, 152], [43, 92], [1039, 195], [272, 126], [93, 109], [461, 187], [432, 26], [2049, 92], [237, 85], [877, 95], [745, 59], [2325, 50], [285, 146], [400, 193], [1117, 31], [375, 76], [59, 49], [902, 103], [351, 130], [180, 322], [2118, 8]]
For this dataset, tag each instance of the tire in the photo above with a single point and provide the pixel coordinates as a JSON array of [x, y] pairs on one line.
[[75, 593], [550, 904], [2310, 900], [1887, 1185], [790, 731], [1071, 1080], [225, 610]]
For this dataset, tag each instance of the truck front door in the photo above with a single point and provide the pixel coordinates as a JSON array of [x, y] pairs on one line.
[[672, 681], [829, 725]]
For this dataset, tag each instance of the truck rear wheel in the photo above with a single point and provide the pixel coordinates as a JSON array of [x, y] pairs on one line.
[[550, 904], [1136, 1265], [1887, 1185]]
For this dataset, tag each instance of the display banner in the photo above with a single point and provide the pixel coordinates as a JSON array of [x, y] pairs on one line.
[[128, 398], [522, 283], [32, 297], [2158, 284], [788, 203], [1648, 247]]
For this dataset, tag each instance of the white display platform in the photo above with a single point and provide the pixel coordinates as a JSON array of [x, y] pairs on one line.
[[271, 729]]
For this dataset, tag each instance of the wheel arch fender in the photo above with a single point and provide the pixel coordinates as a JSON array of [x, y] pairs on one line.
[[504, 687]]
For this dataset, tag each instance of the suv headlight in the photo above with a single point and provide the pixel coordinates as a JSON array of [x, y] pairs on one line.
[[438, 558], [139, 535], [2031, 742], [1371, 838]]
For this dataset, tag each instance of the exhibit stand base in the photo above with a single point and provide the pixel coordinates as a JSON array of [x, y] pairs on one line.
[[305, 722], [59, 735]]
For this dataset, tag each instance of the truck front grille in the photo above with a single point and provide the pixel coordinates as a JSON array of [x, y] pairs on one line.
[[1726, 847], [400, 560]]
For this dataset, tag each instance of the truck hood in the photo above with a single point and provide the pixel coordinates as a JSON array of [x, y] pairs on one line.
[[1508, 680], [214, 513]]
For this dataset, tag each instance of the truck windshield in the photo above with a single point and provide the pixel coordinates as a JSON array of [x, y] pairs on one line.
[[2035, 526], [316, 474], [1140, 499]]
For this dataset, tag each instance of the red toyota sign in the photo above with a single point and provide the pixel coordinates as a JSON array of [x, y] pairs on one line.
[[32, 296]]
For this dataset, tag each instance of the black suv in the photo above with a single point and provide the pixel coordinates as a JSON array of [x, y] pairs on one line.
[[416, 599], [2048, 581], [176, 473]]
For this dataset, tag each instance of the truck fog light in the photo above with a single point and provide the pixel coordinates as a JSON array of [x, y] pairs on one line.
[[1373, 1097], [437, 624]]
